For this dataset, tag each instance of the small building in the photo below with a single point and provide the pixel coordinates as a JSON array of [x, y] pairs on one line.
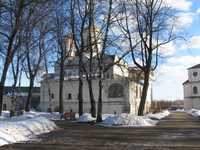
[[191, 88], [179, 104], [22, 98]]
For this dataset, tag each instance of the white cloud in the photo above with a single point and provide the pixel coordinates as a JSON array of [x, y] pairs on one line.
[[179, 4], [186, 19], [167, 49], [198, 11], [170, 76], [187, 61], [192, 43], [168, 84]]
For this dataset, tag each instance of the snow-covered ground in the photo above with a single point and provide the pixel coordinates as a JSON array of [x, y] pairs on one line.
[[194, 112], [27, 126]]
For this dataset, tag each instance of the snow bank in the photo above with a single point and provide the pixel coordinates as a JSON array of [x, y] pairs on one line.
[[16, 130], [27, 126], [129, 120], [194, 112], [158, 115], [32, 114], [85, 118]]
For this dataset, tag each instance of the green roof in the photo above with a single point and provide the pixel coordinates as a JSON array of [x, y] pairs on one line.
[[22, 89], [187, 81]]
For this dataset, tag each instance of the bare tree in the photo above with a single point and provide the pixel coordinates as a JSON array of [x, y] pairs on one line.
[[78, 20], [153, 24], [17, 73], [36, 30], [60, 16], [46, 69], [11, 26]]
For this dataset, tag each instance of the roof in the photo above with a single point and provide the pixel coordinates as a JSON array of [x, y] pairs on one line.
[[22, 89], [92, 28], [196, 66], [187, 81]]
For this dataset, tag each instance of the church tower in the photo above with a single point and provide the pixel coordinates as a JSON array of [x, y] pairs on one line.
[[68, 45], [92, 35]]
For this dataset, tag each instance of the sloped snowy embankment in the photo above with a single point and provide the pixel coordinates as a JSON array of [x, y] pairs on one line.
[[21, 129], [194, 112]]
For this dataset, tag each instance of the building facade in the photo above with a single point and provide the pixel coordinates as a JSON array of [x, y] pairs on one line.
[[191, 88], [122, 85]]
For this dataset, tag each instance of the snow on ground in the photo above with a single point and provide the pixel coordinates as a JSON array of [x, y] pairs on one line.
[[194, 112], [158, 115], [30, 124], [126, 119], [25, 127]]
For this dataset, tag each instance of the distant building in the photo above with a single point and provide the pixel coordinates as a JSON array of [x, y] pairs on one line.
[[178, 104], [122, 86], [191, 88], [22, 99]]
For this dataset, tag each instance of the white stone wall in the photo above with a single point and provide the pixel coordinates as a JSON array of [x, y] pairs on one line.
[[110, 105]]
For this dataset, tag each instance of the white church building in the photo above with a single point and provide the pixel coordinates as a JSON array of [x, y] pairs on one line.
[[122, 87], [191, 88]]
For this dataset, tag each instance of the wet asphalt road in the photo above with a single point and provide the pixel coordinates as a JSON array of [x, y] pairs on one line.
[[176, 131]]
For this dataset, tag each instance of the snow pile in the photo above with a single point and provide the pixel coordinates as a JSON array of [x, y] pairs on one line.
[[129, 119], [28, 125], [15, 130], [85, 118], [194, 112], [158, 115], [33, 113]]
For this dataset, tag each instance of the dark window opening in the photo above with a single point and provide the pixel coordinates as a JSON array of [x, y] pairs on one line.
[[52, 96], [69, 96], [4, 107]]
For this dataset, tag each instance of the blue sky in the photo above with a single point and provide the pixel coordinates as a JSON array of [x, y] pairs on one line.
[[170, 75]]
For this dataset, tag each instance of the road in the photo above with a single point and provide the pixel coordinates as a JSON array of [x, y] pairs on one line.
[[177, 131]]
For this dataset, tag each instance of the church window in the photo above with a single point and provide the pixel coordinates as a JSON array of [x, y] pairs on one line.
[[195, 74], [194, 90], [69, 96], [52, 96], [115, 90]]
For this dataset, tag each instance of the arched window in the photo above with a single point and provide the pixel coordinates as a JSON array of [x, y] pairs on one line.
[[194, 90], [115, 90], [69, 96], [52, 96]]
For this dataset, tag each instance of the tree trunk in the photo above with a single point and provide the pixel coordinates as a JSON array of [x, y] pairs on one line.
[[50, 99], [61, 108], [2, 83], [80, 90], [30, 93], [80, 96], [92, 100], [144, 94], [101, 85]]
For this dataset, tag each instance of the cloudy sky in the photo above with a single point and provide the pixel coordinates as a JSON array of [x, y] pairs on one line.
[[172, 73]]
